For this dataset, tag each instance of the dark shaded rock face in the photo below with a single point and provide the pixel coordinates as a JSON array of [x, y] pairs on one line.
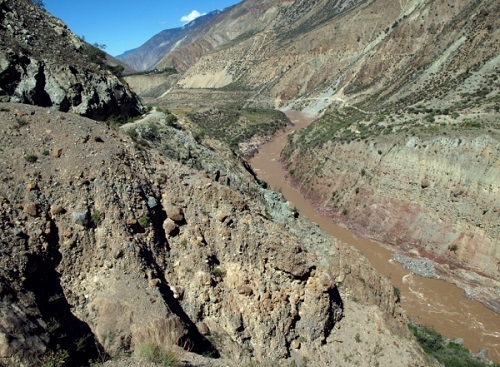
[[43, 63]]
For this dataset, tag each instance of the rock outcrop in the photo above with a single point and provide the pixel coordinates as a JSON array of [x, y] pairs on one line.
[[43, 63]]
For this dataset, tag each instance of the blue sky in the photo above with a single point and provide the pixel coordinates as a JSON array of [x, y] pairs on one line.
[[126, 24]]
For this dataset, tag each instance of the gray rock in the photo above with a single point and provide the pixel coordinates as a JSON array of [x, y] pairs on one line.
[[81, 218], [422, 267], [152, 202]]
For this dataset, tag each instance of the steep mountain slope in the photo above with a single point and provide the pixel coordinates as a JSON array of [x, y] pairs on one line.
[[324, 51], [147, 56], [43, 63]]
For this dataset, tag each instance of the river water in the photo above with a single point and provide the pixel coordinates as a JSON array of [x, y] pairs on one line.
[[427, 301]]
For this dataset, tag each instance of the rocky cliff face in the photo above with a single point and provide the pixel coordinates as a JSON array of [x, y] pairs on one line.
[[109, 245], [43, 63]]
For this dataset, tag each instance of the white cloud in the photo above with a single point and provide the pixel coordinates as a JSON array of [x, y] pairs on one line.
[[191, 16]]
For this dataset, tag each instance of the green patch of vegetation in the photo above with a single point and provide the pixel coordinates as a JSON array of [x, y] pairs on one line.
[[448, 353], [143, 221], [151, 132], [21, 122], [453, 248], [335, 197], [357, 338], [166, 71], [96, 217], [57, 358], [155, 353], [31, 158], [343, 125], [218, 272], [267, 214], [132, 132], [94, 53], [234, 126]]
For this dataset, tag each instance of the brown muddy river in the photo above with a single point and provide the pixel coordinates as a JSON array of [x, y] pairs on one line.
[[428, 301]]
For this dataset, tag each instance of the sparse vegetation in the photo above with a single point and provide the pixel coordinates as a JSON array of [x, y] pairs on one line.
[[57, 358], [167, 71], [448, 353], [21, 122], [143, 221], [218, 272], [160, 355], [31, 158], [96, 217], [234, 126]]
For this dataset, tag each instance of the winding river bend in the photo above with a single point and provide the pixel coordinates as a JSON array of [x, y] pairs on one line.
[[428, 301]]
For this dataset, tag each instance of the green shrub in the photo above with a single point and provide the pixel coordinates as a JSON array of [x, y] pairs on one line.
[[96, 217], [54, 359], [218, 272], [155, 353], [31, 158], [143, 221]]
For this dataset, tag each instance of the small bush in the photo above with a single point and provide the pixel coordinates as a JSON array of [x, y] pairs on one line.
[[155, 353], [96, 217], [143, 221], [31, 158], [57, 358], [132, 132], [21, 122], [218, 272]]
